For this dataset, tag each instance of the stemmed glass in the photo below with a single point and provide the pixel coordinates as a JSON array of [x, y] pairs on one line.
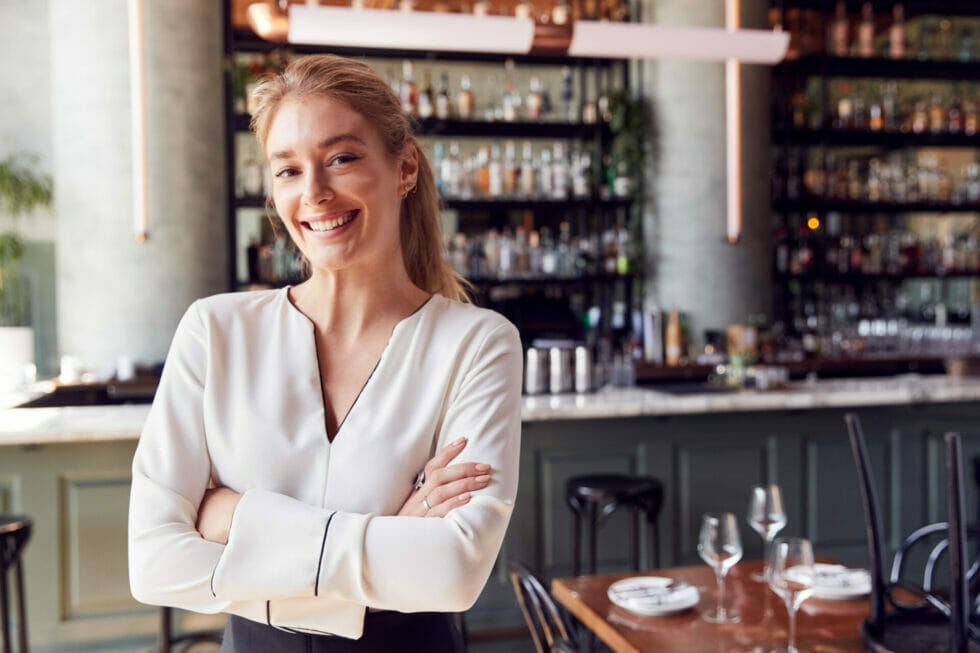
[[791, 574], [721, 547], [766, 517]]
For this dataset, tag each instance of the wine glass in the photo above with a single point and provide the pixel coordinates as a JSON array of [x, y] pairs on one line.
[[791, 575], [766, 517], [721, 547]]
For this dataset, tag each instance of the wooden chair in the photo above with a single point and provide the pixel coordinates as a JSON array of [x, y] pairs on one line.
[[935, 620], [549, 629]]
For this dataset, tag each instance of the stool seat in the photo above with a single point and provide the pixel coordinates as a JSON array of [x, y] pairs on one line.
[[15, 531], [594, 497], [613, 487]]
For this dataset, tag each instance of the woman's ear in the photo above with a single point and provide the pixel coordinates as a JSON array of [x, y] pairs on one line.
[[409, 166]]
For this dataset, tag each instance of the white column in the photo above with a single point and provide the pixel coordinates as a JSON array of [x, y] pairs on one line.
[[117, 296], [690, 264]]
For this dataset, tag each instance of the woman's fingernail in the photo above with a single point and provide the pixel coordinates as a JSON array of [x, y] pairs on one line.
[[482, 467], [458, 442], [483, 479], [463, 497]]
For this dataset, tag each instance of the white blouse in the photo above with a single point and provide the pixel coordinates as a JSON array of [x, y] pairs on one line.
[[313, 541]]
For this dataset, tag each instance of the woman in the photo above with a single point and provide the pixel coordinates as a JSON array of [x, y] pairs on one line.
[[311, 409]]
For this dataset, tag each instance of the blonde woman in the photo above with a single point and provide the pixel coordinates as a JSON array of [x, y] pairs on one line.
[[309, 411]]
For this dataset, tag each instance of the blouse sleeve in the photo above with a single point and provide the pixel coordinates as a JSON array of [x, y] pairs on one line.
[[280, 547], [169, 562]]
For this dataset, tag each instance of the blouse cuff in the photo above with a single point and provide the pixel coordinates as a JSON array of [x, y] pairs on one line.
[[273, 551]]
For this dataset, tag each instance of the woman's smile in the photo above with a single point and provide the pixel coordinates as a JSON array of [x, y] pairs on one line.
[[330, 225]]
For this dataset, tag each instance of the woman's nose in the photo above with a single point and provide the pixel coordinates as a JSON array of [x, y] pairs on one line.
[[317, 189]]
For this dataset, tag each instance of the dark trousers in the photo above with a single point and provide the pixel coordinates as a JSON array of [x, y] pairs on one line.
[[384, 632]]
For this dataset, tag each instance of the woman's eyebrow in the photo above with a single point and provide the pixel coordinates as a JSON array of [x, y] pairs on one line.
[[324, 144]]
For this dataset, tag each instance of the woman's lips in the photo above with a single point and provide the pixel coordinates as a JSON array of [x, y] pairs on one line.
[[327, 231]]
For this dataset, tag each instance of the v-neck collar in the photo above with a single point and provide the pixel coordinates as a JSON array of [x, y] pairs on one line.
[[312, 331]]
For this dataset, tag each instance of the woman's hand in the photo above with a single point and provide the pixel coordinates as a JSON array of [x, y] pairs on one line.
[[214, 515], [446, 486]]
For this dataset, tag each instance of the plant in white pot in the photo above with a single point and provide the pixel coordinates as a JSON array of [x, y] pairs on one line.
[[22, 189]]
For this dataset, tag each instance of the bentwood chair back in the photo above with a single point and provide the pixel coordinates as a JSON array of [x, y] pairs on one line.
[[547, 624], [939, 619]]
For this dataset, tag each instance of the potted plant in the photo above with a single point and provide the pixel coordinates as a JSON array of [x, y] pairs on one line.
[[22, 189]]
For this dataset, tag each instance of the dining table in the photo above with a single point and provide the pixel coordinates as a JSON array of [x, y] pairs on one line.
[[823, 626]]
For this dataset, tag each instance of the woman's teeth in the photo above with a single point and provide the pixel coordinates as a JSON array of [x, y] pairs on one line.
[[327, 225]]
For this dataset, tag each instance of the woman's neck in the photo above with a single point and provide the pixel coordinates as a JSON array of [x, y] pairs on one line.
[[350, 303]]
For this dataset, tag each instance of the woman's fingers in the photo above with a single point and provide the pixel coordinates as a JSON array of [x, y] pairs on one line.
[[452, 473], [446, 493], [443, 508], [446, 454]]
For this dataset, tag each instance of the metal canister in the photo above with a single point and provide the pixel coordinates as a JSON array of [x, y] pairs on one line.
[[584, 371], [536, 372], [560, 360]]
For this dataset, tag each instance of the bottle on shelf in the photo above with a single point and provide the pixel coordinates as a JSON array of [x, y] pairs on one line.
[[896, 33], [443, 101], [535, 100], [567, 108], [464, 100], [426, 101], [560, 172], [866, 31], [838, 40], [511, 169], [528, 168], [511, 100], [409, 91]]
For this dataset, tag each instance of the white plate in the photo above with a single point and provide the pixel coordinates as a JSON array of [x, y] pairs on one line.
[[644, 595], [858, 585]]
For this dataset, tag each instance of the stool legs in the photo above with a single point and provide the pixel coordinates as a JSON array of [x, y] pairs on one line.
[[654, 533], [635, 532], [576, 539], [21, 608], [593, 529], [165, 619], [4, 605]]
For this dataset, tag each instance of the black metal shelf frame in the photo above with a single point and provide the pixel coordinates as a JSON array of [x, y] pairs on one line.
[[912, 7], [861, 138], [819, 205], [830, 66]]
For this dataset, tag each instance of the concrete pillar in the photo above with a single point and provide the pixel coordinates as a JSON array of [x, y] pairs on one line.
[[690, 264], [117, 296]]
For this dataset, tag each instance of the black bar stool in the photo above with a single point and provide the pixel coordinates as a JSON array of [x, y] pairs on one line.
[[189, 640], [594, 498], [15, 530]]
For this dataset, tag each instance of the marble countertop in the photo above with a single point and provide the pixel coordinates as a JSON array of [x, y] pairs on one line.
[[28, 426]]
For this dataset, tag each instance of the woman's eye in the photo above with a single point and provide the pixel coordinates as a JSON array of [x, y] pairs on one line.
[[341, 159], [287, 172]]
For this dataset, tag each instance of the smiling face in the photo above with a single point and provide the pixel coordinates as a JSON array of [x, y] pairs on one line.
[[334, 184]]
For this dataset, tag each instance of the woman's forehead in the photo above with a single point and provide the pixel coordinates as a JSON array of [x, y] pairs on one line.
[[311, 120]]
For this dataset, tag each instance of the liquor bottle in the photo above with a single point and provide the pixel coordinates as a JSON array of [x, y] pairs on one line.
[[896, 33], [889, 105], [511, 98], [920, 117], [549, 253], [561, 12], [465, 100], [528, 180], [511, 170], [845, 108], [506, 262], [495, 174], [523, 9], [534, 100], [970, 117], [443, 101], [955, 118], [534, 253], [409, 92], [441, 167], [491, 250], [426, 105], [581, 170], [521, 254], [483, 170], [453, 184], [567, 107], [866, 31], [860, 115], [560, 172], [937, 114], [672, 339], [876, 114], [839, 31], [546, 186]]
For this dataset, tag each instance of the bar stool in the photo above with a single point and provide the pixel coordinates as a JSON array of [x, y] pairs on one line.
[[189, 640], [15, 530], [594, 498]]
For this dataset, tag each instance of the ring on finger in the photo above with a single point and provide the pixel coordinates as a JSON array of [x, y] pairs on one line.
[[425, 503]]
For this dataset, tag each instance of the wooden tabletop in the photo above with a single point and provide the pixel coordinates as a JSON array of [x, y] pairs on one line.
[[822, 626]]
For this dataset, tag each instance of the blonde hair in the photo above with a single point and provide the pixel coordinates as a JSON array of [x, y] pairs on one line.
[[355, 84]]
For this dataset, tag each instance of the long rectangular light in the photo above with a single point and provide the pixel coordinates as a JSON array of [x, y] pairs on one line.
[[378, 28], [646, 41]]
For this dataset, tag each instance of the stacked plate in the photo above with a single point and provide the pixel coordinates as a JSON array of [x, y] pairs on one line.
[[838, 583], [653, 596]]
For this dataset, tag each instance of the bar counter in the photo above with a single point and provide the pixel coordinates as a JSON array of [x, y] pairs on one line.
[[27, 426], [69, 468]]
